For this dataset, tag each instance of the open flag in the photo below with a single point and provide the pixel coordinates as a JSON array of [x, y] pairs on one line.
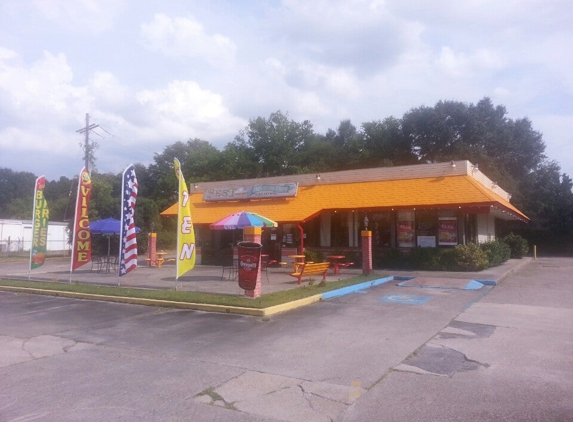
[[128, 236], [185, 234], [40, 225], [82, 240]]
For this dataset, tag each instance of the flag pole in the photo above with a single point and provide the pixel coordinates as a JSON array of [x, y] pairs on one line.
[[33, 224], [180, 175], [121, 224], [74, 231]]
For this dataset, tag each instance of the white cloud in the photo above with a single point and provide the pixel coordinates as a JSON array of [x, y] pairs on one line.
[[92, 16], [44, 88], [108, 89], [186, 37], [183, 110], [469, 65]]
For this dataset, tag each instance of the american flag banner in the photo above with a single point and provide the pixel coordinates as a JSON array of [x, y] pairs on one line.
[[128, 240]]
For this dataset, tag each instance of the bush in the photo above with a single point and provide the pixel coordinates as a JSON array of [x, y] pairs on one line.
[[517, 244], [426, 259], [390, 258], [312, 256], [497, 252], [470, 257], [166, 240]]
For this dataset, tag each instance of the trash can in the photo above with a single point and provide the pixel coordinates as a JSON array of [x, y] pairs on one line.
[[249, 264]]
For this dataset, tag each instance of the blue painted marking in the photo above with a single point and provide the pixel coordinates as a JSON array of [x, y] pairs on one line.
[[474, 285], [356, 287], [488, 282], [406, 299]]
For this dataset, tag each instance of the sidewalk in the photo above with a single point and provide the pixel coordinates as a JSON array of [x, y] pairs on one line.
[[208, 279], [203, 278]]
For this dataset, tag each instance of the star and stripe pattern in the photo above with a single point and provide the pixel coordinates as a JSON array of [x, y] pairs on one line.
[[128, 250]]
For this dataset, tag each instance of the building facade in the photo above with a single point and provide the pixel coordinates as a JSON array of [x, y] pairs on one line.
[[427, 205]]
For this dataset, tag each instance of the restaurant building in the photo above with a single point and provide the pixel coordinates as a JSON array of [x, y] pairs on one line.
[[425, 205]]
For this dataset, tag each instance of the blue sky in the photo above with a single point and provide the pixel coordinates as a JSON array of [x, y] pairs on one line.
[[152, 73]]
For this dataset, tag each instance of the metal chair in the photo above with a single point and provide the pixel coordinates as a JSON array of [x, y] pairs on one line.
[[265, 262], [232, 269], [97, 263]]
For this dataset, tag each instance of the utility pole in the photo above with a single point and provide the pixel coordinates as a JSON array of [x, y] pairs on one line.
[[87, 147]]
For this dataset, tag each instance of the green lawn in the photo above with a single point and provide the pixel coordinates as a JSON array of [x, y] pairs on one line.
[[264, 301]]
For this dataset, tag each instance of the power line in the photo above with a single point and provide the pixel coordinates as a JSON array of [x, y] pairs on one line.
[[86, 130]]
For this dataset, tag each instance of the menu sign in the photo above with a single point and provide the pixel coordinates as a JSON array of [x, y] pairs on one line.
[[448, 231], [406, 234], [280, 190]]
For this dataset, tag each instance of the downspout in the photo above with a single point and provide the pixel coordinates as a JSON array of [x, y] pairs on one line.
[[301, 239]]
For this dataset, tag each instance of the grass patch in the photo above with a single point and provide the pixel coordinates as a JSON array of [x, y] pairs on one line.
[[264, 301]]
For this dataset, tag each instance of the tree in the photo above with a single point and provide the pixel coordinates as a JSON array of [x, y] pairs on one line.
[[550, 198], [386, 145], [16, 189], [200, 161], [274, 144]]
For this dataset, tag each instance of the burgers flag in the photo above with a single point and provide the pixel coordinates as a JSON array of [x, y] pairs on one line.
[[82, 241], [128, 237], [40, 225], [185, 234]]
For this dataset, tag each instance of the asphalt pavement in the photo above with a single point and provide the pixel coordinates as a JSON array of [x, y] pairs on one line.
[[423, 347]]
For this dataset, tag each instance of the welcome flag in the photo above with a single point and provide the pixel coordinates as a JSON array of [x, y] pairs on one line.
[[40, 225], [128, 237], [185, 234], [82, 240]]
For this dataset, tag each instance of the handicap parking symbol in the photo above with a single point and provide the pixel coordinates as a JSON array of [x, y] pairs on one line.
[[406, 299]]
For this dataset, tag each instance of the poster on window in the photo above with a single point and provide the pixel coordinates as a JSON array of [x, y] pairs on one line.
[[448, 231], [406, 234]]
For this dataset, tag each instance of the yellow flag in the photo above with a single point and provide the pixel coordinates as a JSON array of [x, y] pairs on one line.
[[185, 233]]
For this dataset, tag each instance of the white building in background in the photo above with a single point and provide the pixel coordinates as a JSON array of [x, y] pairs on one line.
[[16, 235]]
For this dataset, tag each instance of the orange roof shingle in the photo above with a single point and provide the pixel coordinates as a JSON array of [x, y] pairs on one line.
[[444, 191]]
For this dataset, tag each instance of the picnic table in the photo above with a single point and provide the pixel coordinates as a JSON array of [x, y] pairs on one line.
[[336, 264]]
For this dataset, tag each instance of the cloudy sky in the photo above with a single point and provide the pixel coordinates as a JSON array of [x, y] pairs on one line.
[[151, 73]]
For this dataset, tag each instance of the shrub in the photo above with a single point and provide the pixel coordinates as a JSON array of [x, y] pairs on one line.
[[426, 259], [497, 252], [470, 257], [389, 258], [517, 244], [312, 256]]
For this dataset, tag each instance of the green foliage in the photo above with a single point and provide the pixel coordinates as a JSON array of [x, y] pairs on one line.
[[390, 258], [166, 240], [426, 258], [313, 256], [497, 252], [470, 257], [517, 244]]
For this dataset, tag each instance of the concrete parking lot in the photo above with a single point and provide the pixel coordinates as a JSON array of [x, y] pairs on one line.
[[429, 350]]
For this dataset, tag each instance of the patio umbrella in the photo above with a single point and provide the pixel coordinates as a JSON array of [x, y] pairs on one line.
[[241, 220], [107, 227]]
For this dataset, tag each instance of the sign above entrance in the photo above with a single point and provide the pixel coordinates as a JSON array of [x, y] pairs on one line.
[[280, 190]]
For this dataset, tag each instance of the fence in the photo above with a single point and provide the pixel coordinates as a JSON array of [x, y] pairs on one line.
[[21, 247]]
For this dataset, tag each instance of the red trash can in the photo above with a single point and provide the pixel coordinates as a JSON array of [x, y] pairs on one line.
[[249, 264]]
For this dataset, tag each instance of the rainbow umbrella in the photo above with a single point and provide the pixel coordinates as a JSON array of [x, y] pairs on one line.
[[241, 220]]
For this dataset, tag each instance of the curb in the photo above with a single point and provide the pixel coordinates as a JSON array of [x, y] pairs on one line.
[[524, 261], [258, 312]]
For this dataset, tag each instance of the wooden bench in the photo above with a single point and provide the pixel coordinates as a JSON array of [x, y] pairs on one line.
[[308, 269]]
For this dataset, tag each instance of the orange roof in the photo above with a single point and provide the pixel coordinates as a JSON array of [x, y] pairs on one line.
[[443, 191]]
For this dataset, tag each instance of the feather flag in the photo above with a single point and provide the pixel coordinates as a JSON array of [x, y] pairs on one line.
[[128, 236], [40, 225], [185, 233], [82, 240]]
